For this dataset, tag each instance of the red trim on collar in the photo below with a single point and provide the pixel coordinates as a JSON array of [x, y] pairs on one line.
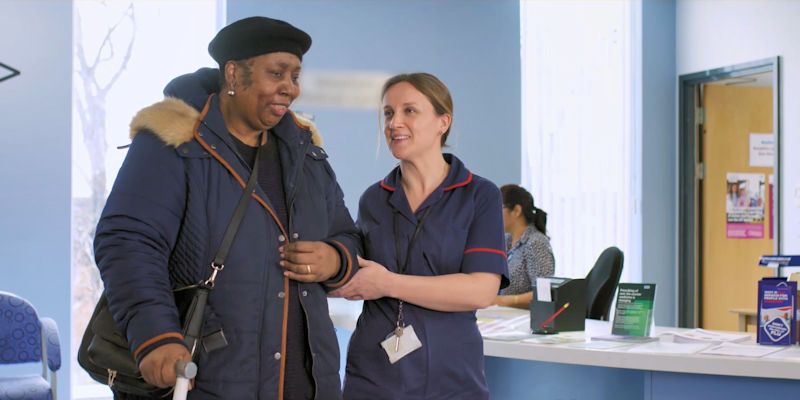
[[465, 183], [387, 187], [451, 187]]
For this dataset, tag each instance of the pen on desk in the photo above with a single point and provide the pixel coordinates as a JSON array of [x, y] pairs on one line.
[[555, 314]]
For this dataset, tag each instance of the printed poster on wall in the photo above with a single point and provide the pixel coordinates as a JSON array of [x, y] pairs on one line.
[[745, 205]]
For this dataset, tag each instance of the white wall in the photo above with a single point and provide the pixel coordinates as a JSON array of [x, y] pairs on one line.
[[717, 33]]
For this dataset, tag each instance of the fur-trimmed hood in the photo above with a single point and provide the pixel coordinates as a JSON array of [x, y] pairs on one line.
[[174, 118], [173, 121]]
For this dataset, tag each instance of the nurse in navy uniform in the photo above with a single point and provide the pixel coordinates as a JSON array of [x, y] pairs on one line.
[[434, 253]]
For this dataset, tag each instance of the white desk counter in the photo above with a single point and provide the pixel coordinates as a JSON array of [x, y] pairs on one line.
[[770, 366], [517, 370]]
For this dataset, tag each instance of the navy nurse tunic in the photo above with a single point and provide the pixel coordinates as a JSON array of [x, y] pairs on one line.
[[463, 233]]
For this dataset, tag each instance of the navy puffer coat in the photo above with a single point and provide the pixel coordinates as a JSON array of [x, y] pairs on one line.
[[164, 220]]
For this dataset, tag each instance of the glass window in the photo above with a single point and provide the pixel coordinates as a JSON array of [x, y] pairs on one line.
[[579, 141], [124, 52]]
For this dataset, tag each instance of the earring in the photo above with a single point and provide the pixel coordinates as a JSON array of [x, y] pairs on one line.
[[231, 92]]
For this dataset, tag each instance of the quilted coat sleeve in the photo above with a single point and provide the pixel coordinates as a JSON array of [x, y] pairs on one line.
[[344, 236], [134, 237]]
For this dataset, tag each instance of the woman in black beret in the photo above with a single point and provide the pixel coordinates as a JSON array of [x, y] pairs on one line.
[[267, 333]]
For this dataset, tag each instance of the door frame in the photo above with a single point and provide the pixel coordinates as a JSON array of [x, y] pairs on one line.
[[690, 170]]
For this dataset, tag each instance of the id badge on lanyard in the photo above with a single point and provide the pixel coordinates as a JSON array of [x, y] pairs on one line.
[[403, 340]]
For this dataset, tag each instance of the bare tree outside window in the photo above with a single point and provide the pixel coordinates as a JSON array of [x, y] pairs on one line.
[[98, 67], [124, 53]]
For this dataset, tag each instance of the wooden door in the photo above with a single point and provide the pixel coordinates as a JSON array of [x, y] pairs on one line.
[[729, 271]]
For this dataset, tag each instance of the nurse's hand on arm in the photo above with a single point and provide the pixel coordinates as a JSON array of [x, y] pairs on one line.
[[306, 261], [452, 292]]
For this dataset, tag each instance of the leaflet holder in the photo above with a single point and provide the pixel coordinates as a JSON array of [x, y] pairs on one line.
[[562, 291], [779, 262]]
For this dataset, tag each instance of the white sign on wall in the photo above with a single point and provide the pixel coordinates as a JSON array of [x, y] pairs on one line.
[[342, 89], [762, 150]]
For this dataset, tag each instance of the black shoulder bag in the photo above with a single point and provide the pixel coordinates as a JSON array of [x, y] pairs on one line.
[[104, 351]]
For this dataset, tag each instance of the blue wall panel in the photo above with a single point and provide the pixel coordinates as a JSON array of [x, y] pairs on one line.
[[518, 379], [35, 111], [666, 386], [659, 156], [472, 45]]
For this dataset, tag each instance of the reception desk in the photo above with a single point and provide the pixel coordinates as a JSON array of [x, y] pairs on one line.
[[517, 370]]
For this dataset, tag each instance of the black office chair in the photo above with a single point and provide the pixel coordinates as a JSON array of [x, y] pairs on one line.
[[601, 283]]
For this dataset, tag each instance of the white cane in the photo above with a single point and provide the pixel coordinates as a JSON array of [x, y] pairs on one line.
[[185, 371]]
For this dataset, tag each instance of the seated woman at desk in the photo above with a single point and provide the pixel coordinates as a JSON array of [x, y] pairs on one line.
[[529, 252]]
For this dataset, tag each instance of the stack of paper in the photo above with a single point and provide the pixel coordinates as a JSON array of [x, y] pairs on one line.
[[600, 345], [494, 325], [567, 337], [741, 350], [507, 336], [791, 353], [704, 336], [669, 348]]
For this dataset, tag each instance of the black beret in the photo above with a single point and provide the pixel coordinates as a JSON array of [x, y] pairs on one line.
[[255, 36]]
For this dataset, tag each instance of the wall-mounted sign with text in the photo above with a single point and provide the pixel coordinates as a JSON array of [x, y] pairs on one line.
[[762, 150]]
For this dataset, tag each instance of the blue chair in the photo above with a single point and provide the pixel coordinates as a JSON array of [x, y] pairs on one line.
[[25, 338]]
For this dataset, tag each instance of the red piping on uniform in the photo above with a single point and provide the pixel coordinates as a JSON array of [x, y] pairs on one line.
[[485, 250], [387, 187], [465, 183]]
